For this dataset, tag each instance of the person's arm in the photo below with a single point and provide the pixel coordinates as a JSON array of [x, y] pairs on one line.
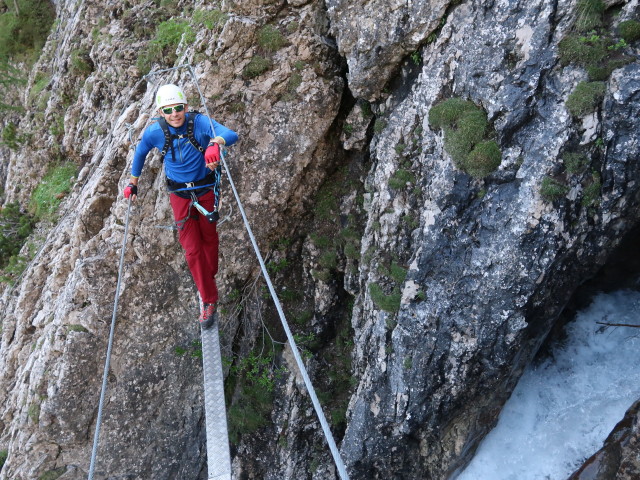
[[223, 136], [143, 148]]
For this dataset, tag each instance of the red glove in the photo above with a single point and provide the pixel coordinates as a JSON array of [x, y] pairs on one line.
[[130, 189], [212, 154]]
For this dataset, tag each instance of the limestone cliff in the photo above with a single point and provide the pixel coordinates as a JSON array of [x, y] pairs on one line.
[[418, 288]]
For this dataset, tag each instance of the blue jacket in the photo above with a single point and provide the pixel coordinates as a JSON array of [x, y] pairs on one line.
[[189, 165]]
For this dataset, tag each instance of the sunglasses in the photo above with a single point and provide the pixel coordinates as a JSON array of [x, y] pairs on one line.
[[170, 110]]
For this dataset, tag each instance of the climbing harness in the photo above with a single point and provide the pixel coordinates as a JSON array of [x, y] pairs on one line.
[[96, 435]]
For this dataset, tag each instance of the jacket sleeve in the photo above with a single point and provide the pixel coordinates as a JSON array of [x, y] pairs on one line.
[[230, 137], [140, 155]]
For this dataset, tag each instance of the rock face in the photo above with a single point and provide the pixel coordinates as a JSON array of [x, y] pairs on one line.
[[417, 292]]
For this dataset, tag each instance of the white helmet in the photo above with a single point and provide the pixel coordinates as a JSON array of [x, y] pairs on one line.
[[169, 95]]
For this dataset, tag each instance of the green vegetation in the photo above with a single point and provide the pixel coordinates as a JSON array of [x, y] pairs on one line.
[[591, 192], [24, 27], [3, 457], [629, 30], [551, 189], [389, 303], [379, 125], [209, 18], [162, 47], [16, 227], [596, 49], [81, 63], [53, 474], [401, 178], [270, 39], [10, 136], [467, 136], [585, 98], [575, 162], [76, 328], [33, 412], [256, 67], [590, 14], [47, 196], [251, 381]]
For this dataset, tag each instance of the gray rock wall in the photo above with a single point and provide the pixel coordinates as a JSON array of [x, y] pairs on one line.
[[430, 358]]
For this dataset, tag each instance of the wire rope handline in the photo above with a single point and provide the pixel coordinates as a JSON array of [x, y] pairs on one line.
[[105, 375], [294, 348]]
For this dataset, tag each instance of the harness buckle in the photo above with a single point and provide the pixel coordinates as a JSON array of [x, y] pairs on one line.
[[189, 184]]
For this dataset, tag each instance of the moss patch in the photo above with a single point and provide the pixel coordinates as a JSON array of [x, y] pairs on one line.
[[467, 136]]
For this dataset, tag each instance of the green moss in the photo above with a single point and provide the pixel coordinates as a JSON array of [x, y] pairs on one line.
[[448, 112], [466, 129], [483, 159], [585, 98], [256, 67], [629, 30], [551, 189]]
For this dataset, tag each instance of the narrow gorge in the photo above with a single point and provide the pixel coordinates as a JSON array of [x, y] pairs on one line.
[[435, 186]]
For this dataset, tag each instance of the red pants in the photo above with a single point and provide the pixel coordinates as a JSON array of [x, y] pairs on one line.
[[199, 238]]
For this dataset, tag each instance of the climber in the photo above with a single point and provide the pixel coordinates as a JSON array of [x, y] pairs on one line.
[[190, 171]]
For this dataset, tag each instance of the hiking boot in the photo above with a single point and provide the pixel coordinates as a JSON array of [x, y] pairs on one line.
[[208, 317]]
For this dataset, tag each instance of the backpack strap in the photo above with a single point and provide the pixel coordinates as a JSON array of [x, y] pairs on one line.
[[170, 137]]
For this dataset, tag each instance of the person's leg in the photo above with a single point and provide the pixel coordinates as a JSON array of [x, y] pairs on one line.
[[192, 241], [209, 234]]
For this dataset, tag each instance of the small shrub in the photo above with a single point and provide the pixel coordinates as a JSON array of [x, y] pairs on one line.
[[270, 39], [256, 67], [551, 189], [3, 457], [81, 63], [629, 30], [585, 98]]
